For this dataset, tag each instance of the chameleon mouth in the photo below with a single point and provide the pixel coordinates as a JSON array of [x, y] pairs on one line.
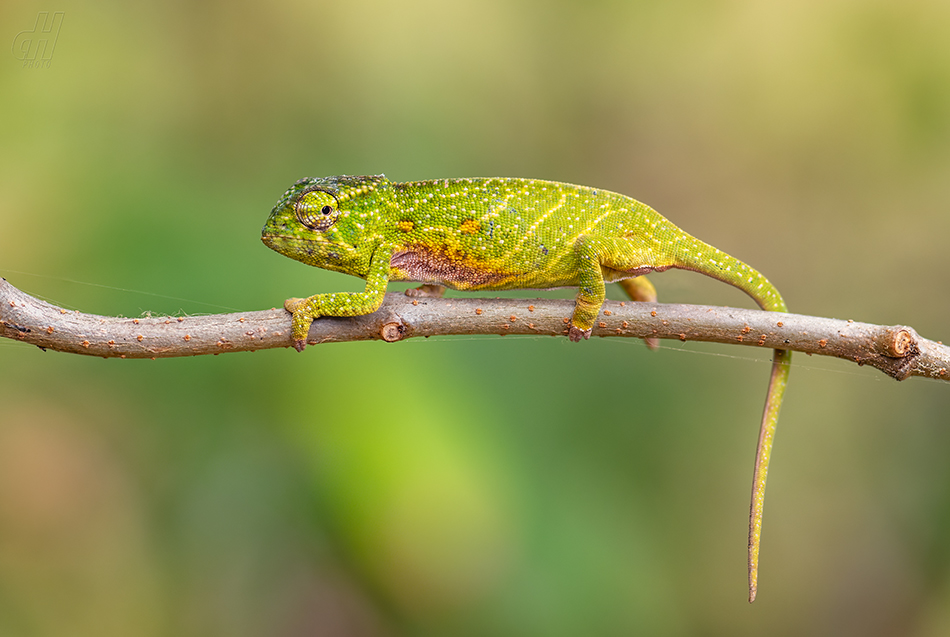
[[283, 243], [317, 253], [274, 240]]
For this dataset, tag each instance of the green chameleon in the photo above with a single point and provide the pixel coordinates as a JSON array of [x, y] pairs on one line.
[[501, 234]]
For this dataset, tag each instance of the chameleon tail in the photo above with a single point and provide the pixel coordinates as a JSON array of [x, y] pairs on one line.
[[693, 254], [773, 401]]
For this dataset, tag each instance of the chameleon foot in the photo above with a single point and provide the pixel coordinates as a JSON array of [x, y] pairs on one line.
[[428, 290], [292, 304], [576, 334], [300, 325]]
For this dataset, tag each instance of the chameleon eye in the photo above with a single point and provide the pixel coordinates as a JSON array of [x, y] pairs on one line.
[[315, 208]]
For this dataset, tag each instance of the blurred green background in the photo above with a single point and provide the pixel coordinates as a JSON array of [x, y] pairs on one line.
[[472, 486]]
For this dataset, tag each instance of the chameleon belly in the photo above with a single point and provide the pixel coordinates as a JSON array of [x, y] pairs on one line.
[[431, 265]]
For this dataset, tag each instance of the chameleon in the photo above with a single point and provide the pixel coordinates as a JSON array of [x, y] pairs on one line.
[[502, 234]]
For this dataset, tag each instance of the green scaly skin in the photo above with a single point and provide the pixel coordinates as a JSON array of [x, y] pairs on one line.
[[502, 234]]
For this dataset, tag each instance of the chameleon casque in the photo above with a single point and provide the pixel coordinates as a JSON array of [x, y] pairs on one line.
[[501, 234]]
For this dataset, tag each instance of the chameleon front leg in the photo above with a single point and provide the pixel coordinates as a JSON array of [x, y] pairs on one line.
[[341, 303]]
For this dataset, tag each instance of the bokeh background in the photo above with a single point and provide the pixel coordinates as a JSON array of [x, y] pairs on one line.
[[472, 486]]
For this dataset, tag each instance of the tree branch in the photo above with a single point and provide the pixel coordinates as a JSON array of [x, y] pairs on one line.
[[896, 350]]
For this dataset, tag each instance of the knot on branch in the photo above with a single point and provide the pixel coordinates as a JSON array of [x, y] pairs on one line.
[[900, 349], [392, 332]]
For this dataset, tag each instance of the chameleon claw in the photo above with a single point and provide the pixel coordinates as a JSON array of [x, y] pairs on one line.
[[300, 344], [576, 334]]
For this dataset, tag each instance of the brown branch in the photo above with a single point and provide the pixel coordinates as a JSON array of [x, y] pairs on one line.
[[898, 351]]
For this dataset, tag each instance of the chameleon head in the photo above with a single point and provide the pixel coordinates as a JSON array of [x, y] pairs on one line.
[[321, 221]]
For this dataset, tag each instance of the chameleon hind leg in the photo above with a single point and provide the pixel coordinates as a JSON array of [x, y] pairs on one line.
[[593, 254], [641, 290]]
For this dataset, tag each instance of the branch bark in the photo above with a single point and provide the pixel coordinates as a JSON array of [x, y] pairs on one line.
[[896, 350]]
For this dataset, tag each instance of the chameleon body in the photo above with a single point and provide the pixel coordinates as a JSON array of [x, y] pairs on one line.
[[500, 234]]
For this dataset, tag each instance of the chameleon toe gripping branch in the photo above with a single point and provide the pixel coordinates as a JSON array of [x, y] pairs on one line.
[[503, 234]]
